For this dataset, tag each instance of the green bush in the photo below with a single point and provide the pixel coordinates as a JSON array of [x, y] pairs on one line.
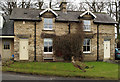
[[69, 45], [119, 36]]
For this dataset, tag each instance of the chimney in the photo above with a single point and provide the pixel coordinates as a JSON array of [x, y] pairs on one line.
[[63, 6]]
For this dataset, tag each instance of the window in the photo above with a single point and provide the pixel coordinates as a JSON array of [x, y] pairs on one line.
[[6, 45], [48, 45], [86, 46], [48, 23], [86, 25]]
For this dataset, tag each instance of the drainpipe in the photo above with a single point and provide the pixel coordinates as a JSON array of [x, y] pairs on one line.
[[119, 16], [98, 42], [35, 42], [69, 28]]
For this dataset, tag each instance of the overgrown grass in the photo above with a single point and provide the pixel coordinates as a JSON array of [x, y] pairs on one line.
[[101, 69]]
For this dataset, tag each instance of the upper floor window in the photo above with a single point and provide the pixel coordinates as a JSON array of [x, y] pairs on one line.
[[48, 23], [86, 46], [86, 25], [48, 45]]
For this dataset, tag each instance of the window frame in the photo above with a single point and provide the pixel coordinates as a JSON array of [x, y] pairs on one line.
[[87, 45], [48, 40], [47, 24], [86, 25]]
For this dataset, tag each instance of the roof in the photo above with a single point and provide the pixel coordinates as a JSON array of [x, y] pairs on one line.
[[48, 9], [33, 14], [8, 27], [25, 14], [104, 19]]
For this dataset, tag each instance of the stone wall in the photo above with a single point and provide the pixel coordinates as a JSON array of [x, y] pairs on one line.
[[106, 32], [24, 29]]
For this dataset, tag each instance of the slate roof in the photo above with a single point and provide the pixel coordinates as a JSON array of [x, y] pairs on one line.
[[33, 15], [25, 14], [8, 27]]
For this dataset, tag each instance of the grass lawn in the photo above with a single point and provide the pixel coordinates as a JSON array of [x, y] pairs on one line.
[[101, 70]]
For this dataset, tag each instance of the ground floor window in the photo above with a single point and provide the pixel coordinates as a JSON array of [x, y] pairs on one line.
[[6, 45], [86, 45], [48, 43]]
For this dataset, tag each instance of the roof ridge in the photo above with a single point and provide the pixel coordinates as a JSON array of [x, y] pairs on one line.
[[60, 10]]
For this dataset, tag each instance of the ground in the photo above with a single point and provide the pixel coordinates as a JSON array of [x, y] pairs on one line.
[[101, 70], [14, 76]]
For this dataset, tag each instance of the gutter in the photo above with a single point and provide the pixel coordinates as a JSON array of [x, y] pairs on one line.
[[108, 23], [35, 42], [7, 36]]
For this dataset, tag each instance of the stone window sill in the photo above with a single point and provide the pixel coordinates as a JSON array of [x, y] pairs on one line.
[[48, 30], [48, 53], [86, 52]]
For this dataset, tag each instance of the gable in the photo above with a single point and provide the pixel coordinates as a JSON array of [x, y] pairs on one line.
[[48, 15], [88, 13], [48, 10], [87, 17]]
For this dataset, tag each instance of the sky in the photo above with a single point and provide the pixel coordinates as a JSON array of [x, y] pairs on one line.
[[72, 1]]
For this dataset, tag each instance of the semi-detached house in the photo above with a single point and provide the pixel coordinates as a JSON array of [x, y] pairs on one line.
[[34, 30]]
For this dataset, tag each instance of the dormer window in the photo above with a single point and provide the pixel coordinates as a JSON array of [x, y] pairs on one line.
[[48, 23], [86, 25]]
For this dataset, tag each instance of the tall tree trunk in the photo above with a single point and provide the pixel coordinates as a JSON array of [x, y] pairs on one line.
[[23, 4], [50, 5], [117, 17], [40, 3]]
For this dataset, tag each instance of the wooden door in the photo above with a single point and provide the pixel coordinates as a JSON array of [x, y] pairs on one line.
[[106, 49], [23, 49]]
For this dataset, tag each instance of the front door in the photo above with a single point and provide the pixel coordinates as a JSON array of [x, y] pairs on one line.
[[106, 49], [23, 49]]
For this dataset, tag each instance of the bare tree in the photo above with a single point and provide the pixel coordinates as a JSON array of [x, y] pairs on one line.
[[7, 6]]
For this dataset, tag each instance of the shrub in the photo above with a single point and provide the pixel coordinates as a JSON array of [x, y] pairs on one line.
[[118, 44], [7, 62], [119, 36], [69, 45]]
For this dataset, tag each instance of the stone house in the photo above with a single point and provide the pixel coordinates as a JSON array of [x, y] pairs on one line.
[[32, 28]]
